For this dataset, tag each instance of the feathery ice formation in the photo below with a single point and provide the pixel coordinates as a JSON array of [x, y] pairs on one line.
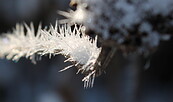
[[77, 47]]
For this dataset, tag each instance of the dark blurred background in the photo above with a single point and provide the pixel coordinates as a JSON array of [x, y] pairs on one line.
[[125, 79]]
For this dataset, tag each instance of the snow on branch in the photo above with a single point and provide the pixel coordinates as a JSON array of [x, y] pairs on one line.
[[77, 47]]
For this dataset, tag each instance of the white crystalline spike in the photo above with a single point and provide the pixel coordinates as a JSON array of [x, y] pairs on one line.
[[32, 58], [29, 30], [67, 60], [78, 71], [39, 30], [89, 79], [84, 84], [66, 14], [77, 63], [56, 25], [87, 84], [93, 78], [50, 55], [68, 67]]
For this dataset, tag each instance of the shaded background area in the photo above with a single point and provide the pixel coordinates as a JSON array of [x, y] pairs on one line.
[[125, 78]]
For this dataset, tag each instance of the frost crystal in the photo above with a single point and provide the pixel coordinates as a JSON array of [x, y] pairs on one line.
[[78, 16], [77, 47]]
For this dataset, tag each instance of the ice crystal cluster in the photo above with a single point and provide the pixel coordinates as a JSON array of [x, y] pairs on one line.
[[130, 25], [77, 47], [136, 24]]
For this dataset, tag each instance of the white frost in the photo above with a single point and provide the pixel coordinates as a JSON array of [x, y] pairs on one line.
[[72, 43]]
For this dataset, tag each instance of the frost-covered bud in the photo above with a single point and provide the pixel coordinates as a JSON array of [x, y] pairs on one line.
[[131, 24]]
